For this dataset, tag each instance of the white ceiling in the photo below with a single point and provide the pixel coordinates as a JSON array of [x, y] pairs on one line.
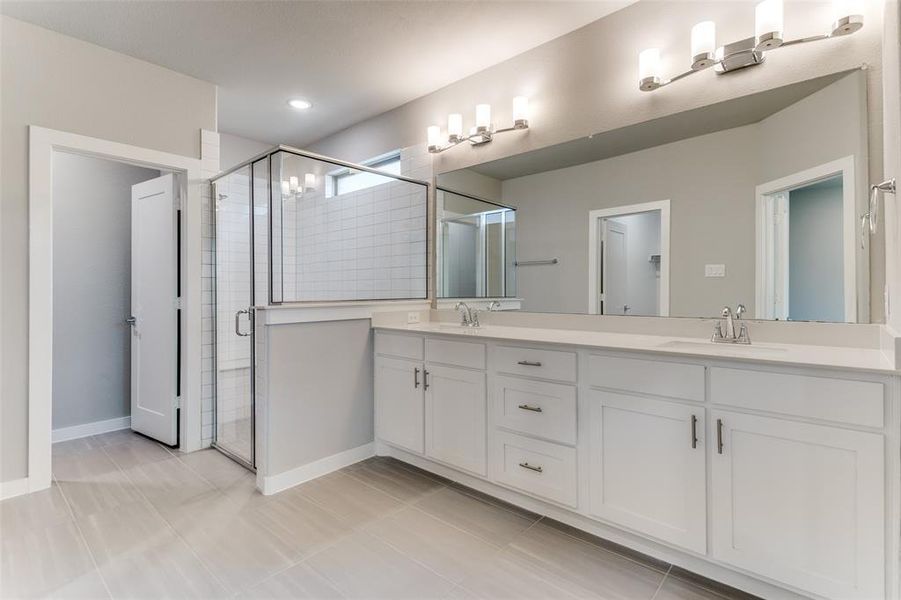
[[352, 59]]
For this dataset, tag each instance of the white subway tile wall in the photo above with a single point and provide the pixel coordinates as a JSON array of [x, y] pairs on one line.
[[361, 245]]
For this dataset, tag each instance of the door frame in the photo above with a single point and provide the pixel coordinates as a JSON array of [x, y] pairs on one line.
[[42, 143], [594, 238], [855, 246]]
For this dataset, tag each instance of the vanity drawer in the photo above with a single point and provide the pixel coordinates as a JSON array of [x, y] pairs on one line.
[[535, 467], [402, 346], [661, 378], [538, 408], [461, 354], [548, 364], [828, 398]]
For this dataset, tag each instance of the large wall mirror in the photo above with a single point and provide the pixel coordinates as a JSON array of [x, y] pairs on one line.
[[756, 200]]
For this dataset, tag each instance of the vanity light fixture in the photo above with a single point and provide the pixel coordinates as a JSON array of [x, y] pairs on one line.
[[292, 186], [768, 35], [484, 130]]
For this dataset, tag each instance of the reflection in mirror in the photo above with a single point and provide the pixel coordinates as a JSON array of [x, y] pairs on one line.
[[754, 200], [477, 242]]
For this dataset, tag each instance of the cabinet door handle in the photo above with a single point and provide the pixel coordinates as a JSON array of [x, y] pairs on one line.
[[529, 363], [719, 436], [531, 408], [416, 377], [694, 431], [526, 465], [425, 379]]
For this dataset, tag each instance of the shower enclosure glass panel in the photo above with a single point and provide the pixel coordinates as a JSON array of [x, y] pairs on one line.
[[334, 241], [477, 247], [234, 315]]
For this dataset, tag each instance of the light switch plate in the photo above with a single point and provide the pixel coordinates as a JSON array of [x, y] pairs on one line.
[[714, 270], [412, 318]]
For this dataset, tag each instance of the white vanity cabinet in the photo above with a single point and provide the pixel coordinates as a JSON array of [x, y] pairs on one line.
[[399, 407], [430, 399], [778, 479], [455, 417], [800, 503], [648, 467]]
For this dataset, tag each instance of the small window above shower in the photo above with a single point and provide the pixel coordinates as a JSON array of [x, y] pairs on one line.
[[346, 180]]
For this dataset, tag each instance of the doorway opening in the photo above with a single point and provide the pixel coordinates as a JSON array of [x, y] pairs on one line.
[[116, 286], [806, 233], [629, 260]]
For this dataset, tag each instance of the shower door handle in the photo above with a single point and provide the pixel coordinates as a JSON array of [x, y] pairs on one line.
[[238, 314]]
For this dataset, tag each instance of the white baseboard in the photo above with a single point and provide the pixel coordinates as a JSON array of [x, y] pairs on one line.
[[277, 483], [64, 434], [11, 489]]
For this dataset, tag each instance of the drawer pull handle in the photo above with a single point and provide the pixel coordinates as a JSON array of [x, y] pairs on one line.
[[694, 431], [529, 363], [531, 408], [425, 380], [416, 378], [526, 465], [719, 436]]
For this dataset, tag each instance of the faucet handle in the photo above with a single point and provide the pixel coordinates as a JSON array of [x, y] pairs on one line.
[[474, 318], [740, 310]]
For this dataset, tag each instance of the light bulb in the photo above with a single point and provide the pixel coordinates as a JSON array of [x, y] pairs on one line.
[[454, 126], [847, 16], [768, 24], [649, 69], [483, 117], [521, 111], [309, 181], [433, 134], [703, 44], [293, 184]]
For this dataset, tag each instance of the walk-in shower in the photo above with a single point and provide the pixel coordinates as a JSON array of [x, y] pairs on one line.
[[293, 227]]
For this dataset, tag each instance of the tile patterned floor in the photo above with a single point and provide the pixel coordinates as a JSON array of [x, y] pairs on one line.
[[128, 518]]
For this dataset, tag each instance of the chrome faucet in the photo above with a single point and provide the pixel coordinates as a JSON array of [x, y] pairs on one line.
[[469, 317], [494, 305], [724, 331]]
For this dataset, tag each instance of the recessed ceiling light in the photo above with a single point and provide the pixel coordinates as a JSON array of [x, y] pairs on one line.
[[299, 104]]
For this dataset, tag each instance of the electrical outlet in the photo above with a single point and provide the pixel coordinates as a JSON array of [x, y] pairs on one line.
[[714, 270], [412, 318]]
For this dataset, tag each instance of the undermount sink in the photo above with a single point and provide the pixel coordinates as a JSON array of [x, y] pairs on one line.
[[743, 348]]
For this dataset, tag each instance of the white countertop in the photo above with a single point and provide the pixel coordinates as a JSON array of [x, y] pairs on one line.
[[858, 359]]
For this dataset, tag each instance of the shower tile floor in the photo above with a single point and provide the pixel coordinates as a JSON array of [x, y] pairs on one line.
[[128, 518]]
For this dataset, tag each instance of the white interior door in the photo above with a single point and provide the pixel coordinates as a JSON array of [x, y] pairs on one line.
[[615, 268], [154, 295]]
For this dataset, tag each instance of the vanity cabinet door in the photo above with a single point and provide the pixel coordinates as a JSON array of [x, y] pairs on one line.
[[802, 504], [455, 416], [648, 467], [399, 402]]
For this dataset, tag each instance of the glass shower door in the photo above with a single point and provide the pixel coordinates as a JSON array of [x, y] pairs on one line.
[[234, 418]]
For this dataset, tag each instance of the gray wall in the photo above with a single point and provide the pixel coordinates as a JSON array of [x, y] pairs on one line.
[[234, 149], [91, 288], [320, 398], [710, 181], [815, 254], [62, 83]]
